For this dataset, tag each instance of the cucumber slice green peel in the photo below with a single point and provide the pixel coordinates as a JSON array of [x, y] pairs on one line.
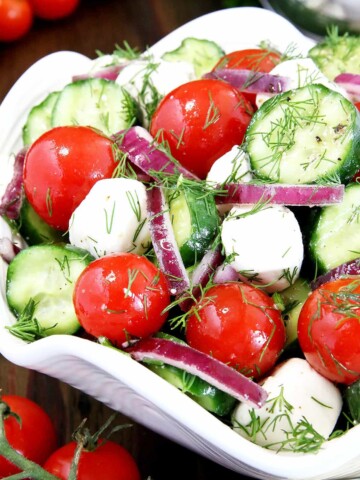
[[307, 135], [39, 289]]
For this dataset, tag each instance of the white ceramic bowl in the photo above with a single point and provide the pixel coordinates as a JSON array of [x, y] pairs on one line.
[[114, 378]]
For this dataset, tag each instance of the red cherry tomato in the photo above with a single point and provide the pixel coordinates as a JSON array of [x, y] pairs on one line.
[[329, 330], [255, 59], [121, 296], [16, 18], [33, 435], [108, 461], [54, 9], [239, 325], [200, 121], [60, 168]]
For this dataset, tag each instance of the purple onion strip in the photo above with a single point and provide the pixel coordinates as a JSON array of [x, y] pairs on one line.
[[11, 201], [144, 152], [295, 195], [348, 268], [204, 366], [164, 243], [250, 81]]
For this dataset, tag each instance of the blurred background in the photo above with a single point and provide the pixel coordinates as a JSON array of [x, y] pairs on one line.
[[98, 25]]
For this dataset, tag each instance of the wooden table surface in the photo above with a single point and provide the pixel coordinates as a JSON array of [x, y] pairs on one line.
[[99, 25]]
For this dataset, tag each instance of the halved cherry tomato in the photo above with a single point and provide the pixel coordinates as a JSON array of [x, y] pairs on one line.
[[54, 9], [239, 325], [255, 59], [32, 434], [60, 168], [107, 461], [121, 296], [329, 330], [16, 18], [200, 121]]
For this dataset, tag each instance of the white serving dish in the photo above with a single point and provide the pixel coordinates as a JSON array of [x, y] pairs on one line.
[[114, 378]]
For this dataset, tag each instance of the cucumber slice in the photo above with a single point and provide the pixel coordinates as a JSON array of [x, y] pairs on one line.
[[34, 229], [337, 54], [39, 119], [335, 237], [203, 54], [305, 135], [206, 395], [352, 400], [96, 102], [195, 222], [46, 275], [293, 299]]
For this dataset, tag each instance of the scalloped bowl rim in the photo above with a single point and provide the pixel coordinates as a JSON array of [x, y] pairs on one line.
[[165, 409]]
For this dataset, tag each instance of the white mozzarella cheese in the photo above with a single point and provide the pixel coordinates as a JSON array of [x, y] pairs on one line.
[[112, 218], [233, 166], [301, 72], [264, 245], [299, 400], [149, 80]]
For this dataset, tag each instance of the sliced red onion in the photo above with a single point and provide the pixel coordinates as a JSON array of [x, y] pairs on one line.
[[201, 275], [250, 81], [202, 365], [225, 273], [8, 249], [144, 152], [11, 201], [351, 83], [108, 73], [164, 243], [348, 268], [283, 194]]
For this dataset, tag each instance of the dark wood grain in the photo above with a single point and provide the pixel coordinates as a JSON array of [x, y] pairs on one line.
[[99, 25]]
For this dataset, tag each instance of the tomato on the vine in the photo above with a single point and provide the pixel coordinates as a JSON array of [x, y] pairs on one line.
[[107, 461], [239, 325], [54, 9], [121, 296], [16, 19], [32, 434], [255, 59], [201, 121], [61, 167], [329, 330]]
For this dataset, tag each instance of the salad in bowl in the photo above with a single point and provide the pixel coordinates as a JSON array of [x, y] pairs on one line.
[[179, 238]]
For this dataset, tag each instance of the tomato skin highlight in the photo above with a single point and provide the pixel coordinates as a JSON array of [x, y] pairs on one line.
[[239, 325], [255, 59], [121, 296], [328, 337], [60, 168], [35, 438], [201, 120], [16, 19], [108, 461], [54, 9]]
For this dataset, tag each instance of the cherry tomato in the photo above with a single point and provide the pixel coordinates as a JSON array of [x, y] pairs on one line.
[[239, 325], [121, 296], [200, 121], [108, 461], [255, 59], [54, 9], [357, 105], [329, 330], [60, 168], [33, 435], [16, 18]]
